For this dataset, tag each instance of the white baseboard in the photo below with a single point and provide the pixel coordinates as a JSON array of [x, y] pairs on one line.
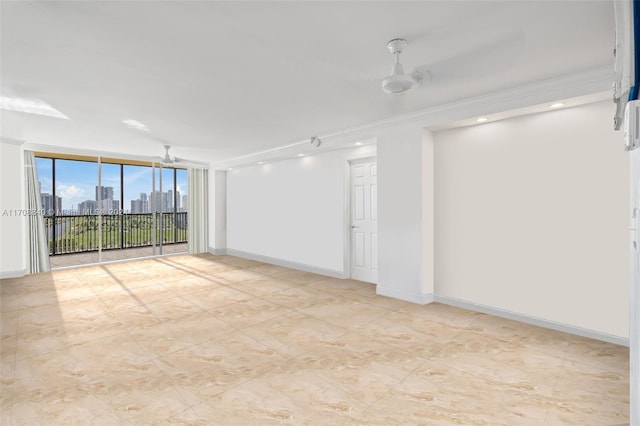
[[13, 274], [533, 320], [407, 296], [217, 251], [285, 263]]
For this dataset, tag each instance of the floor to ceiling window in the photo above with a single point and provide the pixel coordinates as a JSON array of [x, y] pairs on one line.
[[99, 209]]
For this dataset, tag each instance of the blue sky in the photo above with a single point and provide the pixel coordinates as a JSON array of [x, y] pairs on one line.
[[76, 181]]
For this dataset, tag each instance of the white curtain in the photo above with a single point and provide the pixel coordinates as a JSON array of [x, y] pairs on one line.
[[38, 254], [197, 215]]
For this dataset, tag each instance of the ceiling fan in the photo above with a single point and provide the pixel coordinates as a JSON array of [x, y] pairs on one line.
[[399, 81], [485, 55], [167, 159]]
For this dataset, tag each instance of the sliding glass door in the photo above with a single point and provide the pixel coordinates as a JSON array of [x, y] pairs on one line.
[[139, 223], [99, 210], [108, 196]]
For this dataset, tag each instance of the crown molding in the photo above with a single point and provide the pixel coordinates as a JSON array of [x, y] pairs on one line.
[[567, 86], [592, 81], [11, 141]]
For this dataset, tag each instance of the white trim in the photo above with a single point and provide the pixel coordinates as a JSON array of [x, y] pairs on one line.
[[528, 319], [11, 141], [286, 263], [407, 296], [217, 251], [13, 274], [576, 84], [346, 218]]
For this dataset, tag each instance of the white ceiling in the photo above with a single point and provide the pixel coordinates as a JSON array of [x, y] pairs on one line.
[[241, 77]]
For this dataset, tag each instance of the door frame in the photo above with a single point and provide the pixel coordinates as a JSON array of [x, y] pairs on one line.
[[372, 155]]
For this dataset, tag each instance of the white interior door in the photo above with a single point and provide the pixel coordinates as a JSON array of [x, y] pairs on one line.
[[364, 217]]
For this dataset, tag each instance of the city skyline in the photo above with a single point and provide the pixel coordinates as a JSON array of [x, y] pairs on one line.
[[164, 203], [77, 182]]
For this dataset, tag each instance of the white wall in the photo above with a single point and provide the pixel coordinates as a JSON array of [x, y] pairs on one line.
[[405, 214], [531, 216], [292, 210], [217, 211], [12, 256]]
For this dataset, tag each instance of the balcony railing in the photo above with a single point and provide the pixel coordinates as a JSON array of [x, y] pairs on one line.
[[81, 233]]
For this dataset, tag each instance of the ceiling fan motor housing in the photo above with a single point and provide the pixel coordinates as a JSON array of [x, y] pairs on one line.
[[399, 82], [397, 45]]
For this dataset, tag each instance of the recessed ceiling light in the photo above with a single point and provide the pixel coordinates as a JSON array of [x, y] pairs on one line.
[[482, 119], [230, 168], [556, 105], [133, 124], [260, 162], [30, 106], [358, 143]]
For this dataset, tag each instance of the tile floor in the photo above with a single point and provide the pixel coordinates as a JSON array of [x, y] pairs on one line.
[[221, 340]]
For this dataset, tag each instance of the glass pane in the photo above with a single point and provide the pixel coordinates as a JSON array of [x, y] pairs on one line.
[[45, 180], [166, 226], [75, 230], [182, 188], [109, 204], [137, 220]]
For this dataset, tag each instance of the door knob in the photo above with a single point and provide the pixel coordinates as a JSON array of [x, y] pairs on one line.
[[354, 226]]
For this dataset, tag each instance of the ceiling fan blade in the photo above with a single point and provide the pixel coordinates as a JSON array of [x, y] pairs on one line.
[[396, 104], [477, 60]]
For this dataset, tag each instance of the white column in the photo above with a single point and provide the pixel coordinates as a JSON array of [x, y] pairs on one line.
[[405, 214], [218, 212], [12, 222]]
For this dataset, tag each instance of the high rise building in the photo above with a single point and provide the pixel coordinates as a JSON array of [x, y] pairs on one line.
[[168, 201], [163, 201], [136, 206], [185, 203], [49, 205], [155, 201], [110, 206], [141, 205], [106, 192], [87, 207], [106, 203], [144, 198]]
